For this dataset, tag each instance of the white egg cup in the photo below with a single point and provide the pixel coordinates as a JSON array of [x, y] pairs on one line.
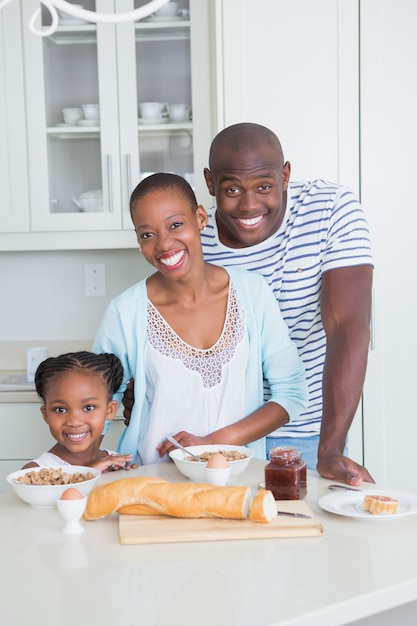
[[71, 511], [217, 475]]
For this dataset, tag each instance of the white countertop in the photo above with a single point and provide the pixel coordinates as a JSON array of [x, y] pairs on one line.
[[357, 568]]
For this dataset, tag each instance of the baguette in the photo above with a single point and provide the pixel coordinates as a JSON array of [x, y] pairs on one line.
[[146, 495], [264, 508]]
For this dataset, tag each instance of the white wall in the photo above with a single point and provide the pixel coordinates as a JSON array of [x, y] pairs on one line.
[[43, 296]]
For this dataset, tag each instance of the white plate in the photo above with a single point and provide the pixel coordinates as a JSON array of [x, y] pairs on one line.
[[349, 504], [148, 121], [165, 18], [88, 123]]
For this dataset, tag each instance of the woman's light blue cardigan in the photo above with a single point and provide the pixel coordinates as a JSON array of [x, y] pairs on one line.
[[272, 355]]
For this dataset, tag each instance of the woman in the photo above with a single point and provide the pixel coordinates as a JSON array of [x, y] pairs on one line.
[[197, 339]]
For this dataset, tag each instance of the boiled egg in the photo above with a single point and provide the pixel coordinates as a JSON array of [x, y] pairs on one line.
[[217, 461], [71, 494]]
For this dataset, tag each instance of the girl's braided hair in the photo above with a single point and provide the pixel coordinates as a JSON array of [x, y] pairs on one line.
[[108, 366]]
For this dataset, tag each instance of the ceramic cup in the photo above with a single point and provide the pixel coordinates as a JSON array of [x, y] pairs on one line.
[[153, 109], [179, 112], [184, 14], [91, 111], [217, 476], [34, 356], [71, 115], [71, 511], [168, 10], [64, 15]]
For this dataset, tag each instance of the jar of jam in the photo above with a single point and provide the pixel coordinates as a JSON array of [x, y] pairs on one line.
[[286, 474]]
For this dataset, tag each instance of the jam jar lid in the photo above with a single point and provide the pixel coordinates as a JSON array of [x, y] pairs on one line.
[[285, 455]]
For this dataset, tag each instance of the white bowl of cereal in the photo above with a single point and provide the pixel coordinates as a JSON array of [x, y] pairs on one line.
[[237, 457], [41, 487]]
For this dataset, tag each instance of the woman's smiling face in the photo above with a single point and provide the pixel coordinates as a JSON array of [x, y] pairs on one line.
[[168, 230]]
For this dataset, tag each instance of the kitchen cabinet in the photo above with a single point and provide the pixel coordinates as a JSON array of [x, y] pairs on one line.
[[25, 436], [350, 118], [115, 67]]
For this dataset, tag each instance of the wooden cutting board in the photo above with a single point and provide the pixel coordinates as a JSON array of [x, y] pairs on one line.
[[147, 529]]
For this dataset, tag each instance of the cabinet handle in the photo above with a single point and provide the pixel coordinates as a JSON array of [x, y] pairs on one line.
[[128, 175], [109, 181]]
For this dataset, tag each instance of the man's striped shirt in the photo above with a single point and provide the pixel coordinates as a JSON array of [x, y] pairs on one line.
[[324, 228]]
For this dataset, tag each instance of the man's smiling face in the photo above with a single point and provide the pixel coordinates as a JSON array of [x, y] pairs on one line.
[[250, 186]]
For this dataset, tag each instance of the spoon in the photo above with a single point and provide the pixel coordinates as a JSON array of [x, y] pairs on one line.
[[178, 445], [344, 487]]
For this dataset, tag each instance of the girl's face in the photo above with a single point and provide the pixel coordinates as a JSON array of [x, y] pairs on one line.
[[168, 231], [76, 407]]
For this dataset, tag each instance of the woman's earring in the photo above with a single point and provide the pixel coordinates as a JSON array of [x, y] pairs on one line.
[[202, 229], [140, 249]]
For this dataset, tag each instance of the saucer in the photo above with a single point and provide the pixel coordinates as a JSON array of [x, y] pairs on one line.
[[165, 18], [148, 121], [88, 123], [71, 21]]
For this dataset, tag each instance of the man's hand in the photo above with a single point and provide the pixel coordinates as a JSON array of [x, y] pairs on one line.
[[128, 400], [341, 468]]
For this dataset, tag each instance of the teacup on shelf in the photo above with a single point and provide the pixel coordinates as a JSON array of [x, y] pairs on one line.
[[168, 10], [91, 111], [179, 112], [153, 109], [71, 115]]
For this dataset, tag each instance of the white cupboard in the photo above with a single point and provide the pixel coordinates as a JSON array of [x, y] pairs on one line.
[[336, 81], [115, 67]]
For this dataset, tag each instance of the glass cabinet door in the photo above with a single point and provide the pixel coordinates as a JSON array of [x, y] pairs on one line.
[[107, 105], [14, 213], [154, 83], [73, 123]]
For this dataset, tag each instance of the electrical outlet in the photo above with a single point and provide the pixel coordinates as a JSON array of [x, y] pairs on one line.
[[95, 279]]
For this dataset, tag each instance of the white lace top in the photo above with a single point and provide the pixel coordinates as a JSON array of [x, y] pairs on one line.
[[191, 389]]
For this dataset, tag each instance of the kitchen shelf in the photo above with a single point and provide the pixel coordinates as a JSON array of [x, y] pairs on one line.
[[78, 132], [144, 31]]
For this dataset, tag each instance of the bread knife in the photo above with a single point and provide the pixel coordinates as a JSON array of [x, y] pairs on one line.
[[294, 514]]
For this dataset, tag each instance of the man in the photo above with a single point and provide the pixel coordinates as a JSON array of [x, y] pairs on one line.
[[310, 240]]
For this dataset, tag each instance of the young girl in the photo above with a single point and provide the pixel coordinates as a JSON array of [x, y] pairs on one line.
[[197, 339], [77, 390]]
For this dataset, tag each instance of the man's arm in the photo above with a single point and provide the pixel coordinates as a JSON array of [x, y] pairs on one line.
[[345, 308]]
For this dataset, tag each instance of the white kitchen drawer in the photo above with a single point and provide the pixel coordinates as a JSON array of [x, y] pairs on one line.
[[6, 468], [24, 433]]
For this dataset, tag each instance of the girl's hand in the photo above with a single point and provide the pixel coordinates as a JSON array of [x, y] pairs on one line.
[[114, 462]]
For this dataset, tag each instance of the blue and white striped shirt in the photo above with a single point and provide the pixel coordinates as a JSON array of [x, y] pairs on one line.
[[324, 228]]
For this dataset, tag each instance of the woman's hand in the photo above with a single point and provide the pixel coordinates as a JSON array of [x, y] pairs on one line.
[[185, 439], [114, 462]]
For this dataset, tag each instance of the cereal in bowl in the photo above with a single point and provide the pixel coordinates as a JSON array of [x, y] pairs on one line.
[[53, 476], [230, 455]]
